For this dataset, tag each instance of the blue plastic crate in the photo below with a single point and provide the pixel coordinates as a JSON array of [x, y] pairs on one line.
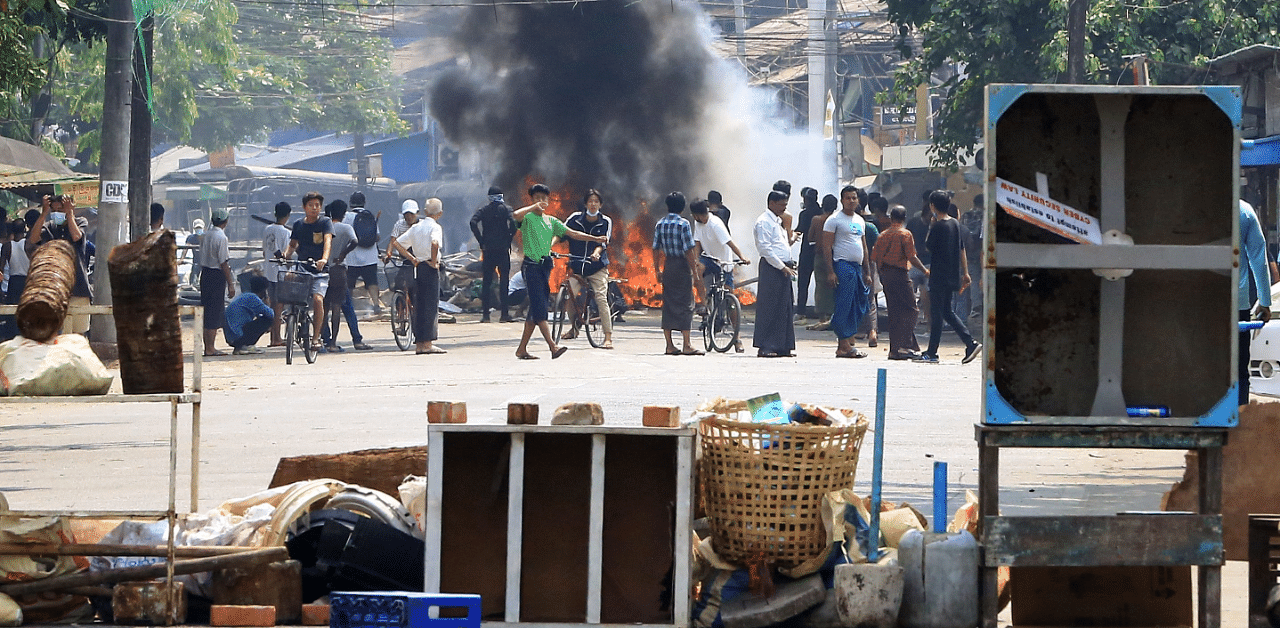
[[400, 609]]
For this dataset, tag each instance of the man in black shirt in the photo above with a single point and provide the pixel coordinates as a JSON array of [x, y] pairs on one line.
[[948, 274], [493, 227], [811, 208], [716, 201], [589, 261], [311, 238], [919, 228]]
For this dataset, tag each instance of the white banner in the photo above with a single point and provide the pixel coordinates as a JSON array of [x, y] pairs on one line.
[[1044, 212]]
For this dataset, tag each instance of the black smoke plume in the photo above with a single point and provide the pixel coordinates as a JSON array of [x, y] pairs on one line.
[[606, 94]]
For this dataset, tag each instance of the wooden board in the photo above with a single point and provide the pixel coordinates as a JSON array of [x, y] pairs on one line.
[[1143, 540], [473, 526], [1101, 596]]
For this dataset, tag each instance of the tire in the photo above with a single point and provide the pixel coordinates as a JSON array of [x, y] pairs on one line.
[[290, 329], [724, 323], [706, 326], [592, 325], [309, 349], [400, 326], [559, 313]]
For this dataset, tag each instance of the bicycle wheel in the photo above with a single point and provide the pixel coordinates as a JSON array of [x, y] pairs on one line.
[[591, 323], [723, 326], [706, 326], [290, 329], [309, 348], [560, 313], [400, 327]]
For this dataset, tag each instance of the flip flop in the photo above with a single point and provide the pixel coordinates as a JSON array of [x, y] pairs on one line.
[[608, 344], [766, 354], [527, 356], [693, 352], [215, 354], [558, 352], [852, 354], [672, 352]]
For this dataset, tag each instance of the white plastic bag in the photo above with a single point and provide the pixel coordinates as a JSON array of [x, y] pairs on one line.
[[64, 366], [413, 495]]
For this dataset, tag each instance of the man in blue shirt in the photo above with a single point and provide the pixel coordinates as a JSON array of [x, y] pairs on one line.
[[1253, 274], [248, 318]]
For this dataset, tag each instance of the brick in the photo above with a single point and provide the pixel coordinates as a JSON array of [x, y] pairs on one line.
[[578, 414], [315, 614], [223, 615], [661, 416], [276, 585], [522, 414], [147, 603], [446, 412]]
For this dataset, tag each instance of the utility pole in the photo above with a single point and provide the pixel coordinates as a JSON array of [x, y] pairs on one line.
[[140, 128], [740, 25], [113, 228], [1077, 14], [817, 67], [362, 162]]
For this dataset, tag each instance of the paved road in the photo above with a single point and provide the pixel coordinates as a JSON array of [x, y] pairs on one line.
[[257, 409]]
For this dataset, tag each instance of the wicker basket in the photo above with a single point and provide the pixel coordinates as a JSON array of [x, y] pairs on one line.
[[762, 486]]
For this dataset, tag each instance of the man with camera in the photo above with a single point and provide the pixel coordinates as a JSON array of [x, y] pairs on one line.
[[58, 221]]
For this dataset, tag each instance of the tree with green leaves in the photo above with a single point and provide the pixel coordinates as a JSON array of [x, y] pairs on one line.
[[1025, 41]]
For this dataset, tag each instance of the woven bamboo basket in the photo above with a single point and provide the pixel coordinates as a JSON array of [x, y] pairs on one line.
[[762, 486]]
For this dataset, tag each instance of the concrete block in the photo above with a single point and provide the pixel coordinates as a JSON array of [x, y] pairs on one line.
[[274, 585], [522, 414], [256, 616], [147, 603], [661, 416], [789, 599], [868, 595], [578, 414], [315, 614], [446, 412]]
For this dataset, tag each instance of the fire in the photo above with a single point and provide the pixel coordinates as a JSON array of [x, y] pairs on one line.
[[631, 254]]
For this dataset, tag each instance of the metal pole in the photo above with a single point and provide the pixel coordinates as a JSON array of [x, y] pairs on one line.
[[817, 67], [939, 497], [362, 162], [113, 227], [740, 25], [877, 470]]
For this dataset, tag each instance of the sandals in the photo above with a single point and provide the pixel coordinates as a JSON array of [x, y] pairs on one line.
[[672, 352], [608, 344], [526, 356], [558, 352], [692, 351], [852, 354]]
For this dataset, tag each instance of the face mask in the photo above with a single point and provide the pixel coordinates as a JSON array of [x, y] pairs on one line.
[[57, 218], [199, 231], [593, 214]]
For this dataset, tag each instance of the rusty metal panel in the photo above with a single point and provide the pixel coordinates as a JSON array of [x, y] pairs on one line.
[[1102, 437], [149, 603], [1139, 540], [1159, 166]]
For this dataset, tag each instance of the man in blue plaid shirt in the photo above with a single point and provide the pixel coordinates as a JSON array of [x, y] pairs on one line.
[[673, 238]]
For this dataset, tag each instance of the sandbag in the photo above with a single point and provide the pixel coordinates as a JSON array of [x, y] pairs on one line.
[[413, 495], [50, 605], [64, 366]]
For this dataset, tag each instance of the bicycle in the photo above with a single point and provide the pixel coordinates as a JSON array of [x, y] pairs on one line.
[[723, 319], [293, 289], [586, 312], [401, 304]]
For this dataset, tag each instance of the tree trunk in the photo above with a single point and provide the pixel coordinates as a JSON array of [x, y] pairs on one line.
[[43, 304], [144, 283]]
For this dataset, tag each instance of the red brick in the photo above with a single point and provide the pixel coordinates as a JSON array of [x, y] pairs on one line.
[[522, 414], [315, 614], [661, 416], [446, 412], [220, 615]]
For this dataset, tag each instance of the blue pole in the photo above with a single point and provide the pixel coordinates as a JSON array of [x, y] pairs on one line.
[[939, 497], [877, 469]]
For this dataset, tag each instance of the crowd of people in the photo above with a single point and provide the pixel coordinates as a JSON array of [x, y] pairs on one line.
[[851, 248]]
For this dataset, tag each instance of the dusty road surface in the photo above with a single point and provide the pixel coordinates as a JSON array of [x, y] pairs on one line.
[[257, 409]]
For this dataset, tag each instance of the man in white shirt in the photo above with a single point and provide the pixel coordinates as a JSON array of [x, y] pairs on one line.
[[844, 240], [713, 247], [421, 246], [775, 335], [215, 279], [275, 239]]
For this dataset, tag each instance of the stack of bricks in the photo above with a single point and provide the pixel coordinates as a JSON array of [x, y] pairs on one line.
[[446, 412], [522, 414]]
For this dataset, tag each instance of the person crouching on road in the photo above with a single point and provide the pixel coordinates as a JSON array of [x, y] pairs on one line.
[[538, 232], [248, 318], [421, 245]]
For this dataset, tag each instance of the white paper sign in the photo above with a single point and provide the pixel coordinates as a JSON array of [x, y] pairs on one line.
[[1042, 211], [114, 192]]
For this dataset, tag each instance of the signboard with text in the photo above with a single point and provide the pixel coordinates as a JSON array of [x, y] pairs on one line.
[[1046, 213]]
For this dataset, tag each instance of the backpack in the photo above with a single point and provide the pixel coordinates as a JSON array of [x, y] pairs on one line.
[[366, 228]]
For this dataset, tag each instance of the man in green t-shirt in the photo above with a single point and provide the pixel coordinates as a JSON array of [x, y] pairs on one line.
[[539, 232]]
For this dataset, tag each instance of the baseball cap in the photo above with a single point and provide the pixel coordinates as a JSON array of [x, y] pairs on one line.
[[218, 215], [197, 224], [409, 207]]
